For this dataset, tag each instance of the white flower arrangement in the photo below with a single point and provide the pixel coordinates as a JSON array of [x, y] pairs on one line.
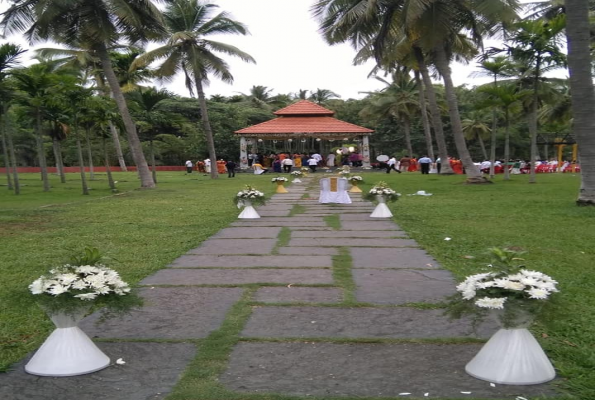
[[279, 179], [297, 173], [250, 193], [512, 289], [382, 189], [356, 178], [85, 282]]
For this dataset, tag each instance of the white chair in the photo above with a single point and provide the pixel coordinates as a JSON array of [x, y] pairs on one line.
[[334, 190]]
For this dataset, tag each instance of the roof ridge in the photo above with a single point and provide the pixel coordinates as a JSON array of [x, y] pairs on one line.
[[304, 107]]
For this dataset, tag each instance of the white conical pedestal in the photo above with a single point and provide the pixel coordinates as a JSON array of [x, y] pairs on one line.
[[381, 210], [512, 357], [68, 351], [297, 180], [248, 212]]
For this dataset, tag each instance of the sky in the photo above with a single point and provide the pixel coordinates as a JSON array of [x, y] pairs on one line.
[[290, 54]]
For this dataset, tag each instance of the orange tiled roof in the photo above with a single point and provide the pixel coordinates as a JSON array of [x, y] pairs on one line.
[[304, 117], [286, 125], [304, 107]]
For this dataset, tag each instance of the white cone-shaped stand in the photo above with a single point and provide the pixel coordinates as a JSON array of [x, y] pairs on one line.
[[248, 212], [512, 357], [297, 180], [68, 351], [381, 210]]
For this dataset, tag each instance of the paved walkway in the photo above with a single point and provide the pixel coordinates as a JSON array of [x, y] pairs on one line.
[[338, 304]]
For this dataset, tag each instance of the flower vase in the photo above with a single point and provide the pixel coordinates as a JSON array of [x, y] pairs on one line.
[[248, 212], [512, 356], [381, 210], [297, 180], [354, 187], [280, 187], [68, 351]]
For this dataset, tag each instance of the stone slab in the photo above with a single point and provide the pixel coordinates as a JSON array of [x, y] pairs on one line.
[[338, 241], [354, 234], [360, 322], [235, 246], [238, 277], [274, 213], [168, 313], [266, 222], [144, 376], [311, 228], [309, 250], [359, 217], [298, 294], [364, 370], [392, 258], [288, 219], [307, 259], [331, 211], [396, 286], [276, 207], [248, 233], [371, 225]]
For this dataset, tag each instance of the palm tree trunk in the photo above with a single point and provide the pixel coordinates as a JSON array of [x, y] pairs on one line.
[[79, 150], [424, 117], [110, 179], [582, 94], [58, 156], [89, 155], [153, 169], [532, 121], [206, 125], [5, 150], [483, 147], [13, 160], [507, 145], [41, 152], [133, 140], [407, 130], [493, 142], [473, 173], [118, 146], [445, 169]]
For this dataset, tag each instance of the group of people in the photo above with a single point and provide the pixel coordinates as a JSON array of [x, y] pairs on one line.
[[204, 167], [411, 164], [285, 162]]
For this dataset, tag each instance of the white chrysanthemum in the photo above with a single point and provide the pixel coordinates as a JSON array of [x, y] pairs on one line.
[[103, 290], [58, 289], [549, 286], [87, 269], [536, 293], [37, 287], [122, 291], [95, 281], [508, 284], [86, 296], [469, 294], [67, 279], [533, 274], [79, 285], [494, 303], [529, 281]]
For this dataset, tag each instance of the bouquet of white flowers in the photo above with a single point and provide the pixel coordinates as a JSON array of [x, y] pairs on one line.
[[68, 287], [356, 178], [255, 197], [382, 189], [279, 179], [297, 173], [511, 288]]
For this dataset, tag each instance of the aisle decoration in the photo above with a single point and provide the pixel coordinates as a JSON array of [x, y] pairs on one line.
[[382, 193], [297, 175], [66, 294], [516, 295], [248, 198], [280, 181], [355, 180]]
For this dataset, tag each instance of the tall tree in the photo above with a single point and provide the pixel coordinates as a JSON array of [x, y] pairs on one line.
[[188, 50], [583, 95], [95, 25]]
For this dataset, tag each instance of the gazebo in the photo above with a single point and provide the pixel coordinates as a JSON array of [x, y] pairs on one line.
[[300, 122]]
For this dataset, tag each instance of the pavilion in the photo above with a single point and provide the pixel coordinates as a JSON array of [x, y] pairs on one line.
[[300, 122]]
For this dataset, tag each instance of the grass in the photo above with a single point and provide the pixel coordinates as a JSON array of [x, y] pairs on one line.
[[144, 230]]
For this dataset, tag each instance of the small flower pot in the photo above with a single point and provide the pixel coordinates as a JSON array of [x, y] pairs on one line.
[[248, 212], [354, 187], [381, 210], [280, 187]]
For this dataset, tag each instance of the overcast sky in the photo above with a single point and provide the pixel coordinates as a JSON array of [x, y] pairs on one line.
[[290, 54]]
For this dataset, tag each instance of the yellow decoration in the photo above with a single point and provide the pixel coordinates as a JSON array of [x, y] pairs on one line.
[[281, 188], [334, 184], [354, 188]]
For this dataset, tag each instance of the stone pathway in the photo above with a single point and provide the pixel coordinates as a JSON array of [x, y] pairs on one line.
[[339, 304]]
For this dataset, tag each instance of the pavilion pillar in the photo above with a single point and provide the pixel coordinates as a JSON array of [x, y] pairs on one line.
[[366, 152], [243, 153]]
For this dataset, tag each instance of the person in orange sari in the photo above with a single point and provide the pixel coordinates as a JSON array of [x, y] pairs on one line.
[[221, 167], [457, 166], [412, 165], [297, 160]]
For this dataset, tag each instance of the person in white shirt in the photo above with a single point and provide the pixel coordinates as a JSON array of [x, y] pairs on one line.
[[312, 163], [392, 164], [425, 163], [287, 165], [208, 165], [189, 167]]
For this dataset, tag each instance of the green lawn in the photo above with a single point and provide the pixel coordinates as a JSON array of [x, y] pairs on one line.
[[144, 230]]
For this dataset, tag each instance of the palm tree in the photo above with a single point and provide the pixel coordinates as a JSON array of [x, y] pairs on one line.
[[320, 96], [189, 23], [496, 67], [583, 95], [94, 25], [9, 55], [474, 127], [536, 46]]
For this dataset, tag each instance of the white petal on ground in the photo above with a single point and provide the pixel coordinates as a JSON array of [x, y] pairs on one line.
[[447, 238], [119, 361]]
